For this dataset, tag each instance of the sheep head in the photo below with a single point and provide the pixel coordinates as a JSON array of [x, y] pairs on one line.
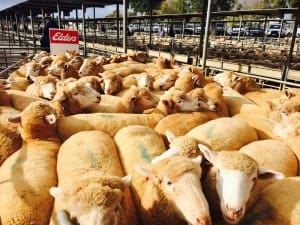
[[178, 178], [94, 200], [235, 180], [37, 121]]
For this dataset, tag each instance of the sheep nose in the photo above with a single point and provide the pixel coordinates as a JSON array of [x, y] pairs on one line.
[[233, 213], [203, 221]]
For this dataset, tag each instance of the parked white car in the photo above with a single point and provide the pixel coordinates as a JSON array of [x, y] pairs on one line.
[[275, 29]]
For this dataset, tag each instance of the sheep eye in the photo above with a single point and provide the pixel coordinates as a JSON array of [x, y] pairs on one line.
[[116, 209], [169, 183], [254, 179], [76, 93]]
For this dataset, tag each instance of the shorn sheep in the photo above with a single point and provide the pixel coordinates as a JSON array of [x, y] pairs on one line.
[[235, 178], [92, 188], [27, 175]]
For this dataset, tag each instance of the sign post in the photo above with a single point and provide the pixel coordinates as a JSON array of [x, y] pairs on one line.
[[62, 40]]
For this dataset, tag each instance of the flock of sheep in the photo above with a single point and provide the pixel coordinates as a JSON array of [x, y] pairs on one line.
[[131, 140]]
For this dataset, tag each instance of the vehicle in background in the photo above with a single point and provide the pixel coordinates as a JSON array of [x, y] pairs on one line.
[[274, 30], [298, 31], [189, 29], [236, 29], [220, 28], [255, 31]]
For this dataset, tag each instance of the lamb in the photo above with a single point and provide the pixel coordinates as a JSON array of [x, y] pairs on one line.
[[91, 190], [94, 82], [174, 101], [112, 83], [164, 81], [56, 67], [68, 71], [273, 154], [43, 87], [224, 133], [241, 84], [74, 97], [279, 203], [169, 192], [139, 80], [76, 62], [156, 203], [163, 63], [27, 174], [17, 83], [90, 67], [234, 182]]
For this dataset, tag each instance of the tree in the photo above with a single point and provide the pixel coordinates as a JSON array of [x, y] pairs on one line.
[[142, 6]]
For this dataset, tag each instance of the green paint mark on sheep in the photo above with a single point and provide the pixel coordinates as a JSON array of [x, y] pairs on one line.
[[93, 160], [108, 116], [210, 131], [144, 152]]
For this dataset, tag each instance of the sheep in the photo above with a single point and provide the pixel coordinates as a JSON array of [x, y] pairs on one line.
[[112, 83], [174, 101], [91, 190], [56, 67], [241, 84], [94, 82], [20, 99], [10, 138], [278, 204], [214, 91], [273, 154], [76, 62], [90, 67], [139, 80], [262, 95], [74, 97], [224, 133], [17, 83], [68, 71], [107, 122], [43, 87], [174, 122], [150, 195], [164, 81], [163, 63], [27, 175], [234, 182], [169, 192]]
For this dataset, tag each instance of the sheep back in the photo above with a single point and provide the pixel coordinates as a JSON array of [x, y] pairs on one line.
[[94, 154], [25, 179], [181, 123], [224, 133], [274, 155], [278, 204], [109, 123], [262, 125], [144, 142]]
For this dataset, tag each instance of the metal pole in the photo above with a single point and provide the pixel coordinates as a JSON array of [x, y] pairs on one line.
[[125, 6], [84, 31], [17, 26], [204, 53], [118, 26], [95, 25], [240, 26], [76, 15], [32, 30], [59, 16]]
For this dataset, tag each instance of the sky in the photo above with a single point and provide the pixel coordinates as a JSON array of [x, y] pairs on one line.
[[100, 12]]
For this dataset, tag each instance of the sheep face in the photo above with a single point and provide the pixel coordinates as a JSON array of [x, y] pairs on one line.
[[289, 126], [90, 67], [164, 82], [94, 202], [174, 101], [235, 179], [47, 86], [145, 80], [56, 67], [76, 62], [112, 83], [32, 70], [178, 178]]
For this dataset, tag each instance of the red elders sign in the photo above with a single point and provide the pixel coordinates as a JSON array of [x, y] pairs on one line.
[[63, 36]]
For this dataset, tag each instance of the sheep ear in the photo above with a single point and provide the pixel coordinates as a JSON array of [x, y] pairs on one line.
[[266, 174], [170, 152], [144, 171], [127, 180], [14, 119], [56, 192], [271, 105], [170, 136], [63, 218], [210, 155], [59, 98]]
